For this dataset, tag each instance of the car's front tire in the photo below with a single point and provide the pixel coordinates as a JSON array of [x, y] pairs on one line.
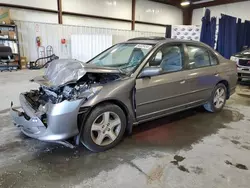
[[103, 128], [218, 99]]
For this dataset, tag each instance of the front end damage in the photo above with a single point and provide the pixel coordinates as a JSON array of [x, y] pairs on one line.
[[49, 122], [51, 112]]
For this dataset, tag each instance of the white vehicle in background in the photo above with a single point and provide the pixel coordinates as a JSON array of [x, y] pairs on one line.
[[242, 60]]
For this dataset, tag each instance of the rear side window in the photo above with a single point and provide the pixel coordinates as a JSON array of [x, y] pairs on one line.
[[198, 57]]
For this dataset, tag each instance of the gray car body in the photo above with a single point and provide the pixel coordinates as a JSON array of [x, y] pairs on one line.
[[141, 99]]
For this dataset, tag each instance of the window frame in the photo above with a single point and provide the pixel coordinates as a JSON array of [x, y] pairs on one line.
[[184, 58], [206, 49]]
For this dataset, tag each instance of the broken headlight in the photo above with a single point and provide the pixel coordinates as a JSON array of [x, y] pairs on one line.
[[90, 92], [80, 91]]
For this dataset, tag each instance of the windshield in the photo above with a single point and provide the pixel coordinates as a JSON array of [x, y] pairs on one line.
[[125, 57], [247, 51]]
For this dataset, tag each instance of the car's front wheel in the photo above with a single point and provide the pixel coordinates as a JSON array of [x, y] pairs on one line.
[[103, 128], [217, 99]]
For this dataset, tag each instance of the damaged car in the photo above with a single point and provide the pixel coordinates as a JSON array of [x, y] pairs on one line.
[[130, 83]]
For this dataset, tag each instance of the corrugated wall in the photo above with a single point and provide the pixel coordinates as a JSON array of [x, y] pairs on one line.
[[51, 34]]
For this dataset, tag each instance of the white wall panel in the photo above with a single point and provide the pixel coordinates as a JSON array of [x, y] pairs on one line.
[[33, 16], [51, 34], [109, 8], [93, 22], [85, 47], [150, 28], [47, 4], [239, 10], [150, 11]]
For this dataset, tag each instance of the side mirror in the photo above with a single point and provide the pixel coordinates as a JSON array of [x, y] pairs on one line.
[[150, 71], [244, 48]]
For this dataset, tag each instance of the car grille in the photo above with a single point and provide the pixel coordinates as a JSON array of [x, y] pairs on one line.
[[244, 75], [244, 62]]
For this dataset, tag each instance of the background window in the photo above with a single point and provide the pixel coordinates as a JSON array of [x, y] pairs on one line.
[[169, 58], [198, 57]]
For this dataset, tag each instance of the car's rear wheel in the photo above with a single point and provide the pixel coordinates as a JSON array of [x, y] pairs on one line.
[[217, 99], [104, 128]]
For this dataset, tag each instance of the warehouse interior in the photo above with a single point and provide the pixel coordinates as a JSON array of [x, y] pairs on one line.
[[44, 43]]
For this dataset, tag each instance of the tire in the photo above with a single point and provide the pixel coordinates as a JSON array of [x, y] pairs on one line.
[[239, 79], [212, 106], [101, 124]]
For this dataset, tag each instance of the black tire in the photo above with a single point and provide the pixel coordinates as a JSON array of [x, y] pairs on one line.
[[239, 79], [210, 106], [85, 136]]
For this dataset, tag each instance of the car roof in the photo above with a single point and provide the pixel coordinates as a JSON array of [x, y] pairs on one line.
[[161, 40]]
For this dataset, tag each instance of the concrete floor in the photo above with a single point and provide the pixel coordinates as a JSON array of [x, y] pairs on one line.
[[191, 149]]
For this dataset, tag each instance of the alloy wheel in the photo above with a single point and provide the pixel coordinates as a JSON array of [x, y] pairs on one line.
[[105, 128], [219, 97]]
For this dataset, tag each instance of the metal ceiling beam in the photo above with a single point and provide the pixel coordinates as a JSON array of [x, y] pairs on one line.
[[94, 16], [215, 3], [187, 14], [59, 6], [28, 8], [133, 15]]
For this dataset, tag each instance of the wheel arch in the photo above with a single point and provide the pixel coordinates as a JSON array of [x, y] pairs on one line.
[[110, 101]]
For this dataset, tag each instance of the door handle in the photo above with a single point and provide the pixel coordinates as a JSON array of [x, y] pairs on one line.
[[182, 82]]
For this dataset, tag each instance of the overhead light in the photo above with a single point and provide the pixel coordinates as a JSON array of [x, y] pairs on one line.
[[202, 1], [185, 3]]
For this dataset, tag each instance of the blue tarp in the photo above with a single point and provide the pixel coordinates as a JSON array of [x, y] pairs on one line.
[[208, 29], [227, 37]]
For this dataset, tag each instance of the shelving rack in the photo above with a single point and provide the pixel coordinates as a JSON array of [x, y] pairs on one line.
[[11, 42]]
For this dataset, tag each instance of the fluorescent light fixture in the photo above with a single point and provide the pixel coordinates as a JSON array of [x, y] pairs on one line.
[[202, 1], [185, 3]]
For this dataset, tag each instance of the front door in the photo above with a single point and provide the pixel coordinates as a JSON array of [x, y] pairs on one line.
[[164, 93]]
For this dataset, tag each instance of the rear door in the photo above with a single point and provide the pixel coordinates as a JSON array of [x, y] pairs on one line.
[[163, 93], [202, 74]]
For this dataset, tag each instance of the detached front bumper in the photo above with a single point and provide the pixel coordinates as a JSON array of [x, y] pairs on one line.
[[61, 120]]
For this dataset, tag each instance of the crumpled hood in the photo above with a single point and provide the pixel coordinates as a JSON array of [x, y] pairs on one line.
[[63, 71]]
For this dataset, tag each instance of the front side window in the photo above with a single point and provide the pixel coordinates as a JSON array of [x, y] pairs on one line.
[[169, 58], [125, 57], [198, 57]]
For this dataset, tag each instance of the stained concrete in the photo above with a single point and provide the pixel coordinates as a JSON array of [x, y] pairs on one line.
[[189, 149]]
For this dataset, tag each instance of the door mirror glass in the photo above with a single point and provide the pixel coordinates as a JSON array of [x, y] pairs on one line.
[[150, 71]]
